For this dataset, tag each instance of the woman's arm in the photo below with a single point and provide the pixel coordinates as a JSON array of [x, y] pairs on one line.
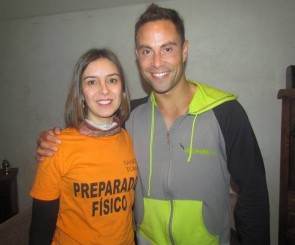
[[43, 223]]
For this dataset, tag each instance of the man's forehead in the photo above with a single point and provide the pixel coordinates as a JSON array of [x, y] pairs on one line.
[[157, 25], [157, 33]]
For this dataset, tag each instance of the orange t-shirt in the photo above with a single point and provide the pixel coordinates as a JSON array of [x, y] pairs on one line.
[[94, 178]]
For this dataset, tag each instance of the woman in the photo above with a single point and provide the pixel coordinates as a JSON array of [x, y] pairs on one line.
[[85, 193]]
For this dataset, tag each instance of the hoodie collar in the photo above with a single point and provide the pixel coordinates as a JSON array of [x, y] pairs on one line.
[[205, 98]]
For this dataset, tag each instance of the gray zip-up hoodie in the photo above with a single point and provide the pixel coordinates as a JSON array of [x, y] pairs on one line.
[[183, 189]]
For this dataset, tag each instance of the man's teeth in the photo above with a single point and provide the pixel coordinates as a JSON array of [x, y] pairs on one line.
[[160, 74]]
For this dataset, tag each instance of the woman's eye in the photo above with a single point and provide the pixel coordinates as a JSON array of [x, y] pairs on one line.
[[112, 80], [115, 79], [91, 82]]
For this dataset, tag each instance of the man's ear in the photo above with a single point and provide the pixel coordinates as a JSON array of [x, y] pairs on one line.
[[185, 50], [136, 53]]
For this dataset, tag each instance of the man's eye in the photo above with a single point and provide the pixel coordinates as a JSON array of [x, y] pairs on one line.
[[168, 50], [146, 52]]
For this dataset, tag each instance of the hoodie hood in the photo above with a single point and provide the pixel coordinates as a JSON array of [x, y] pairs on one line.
[[206, 98]]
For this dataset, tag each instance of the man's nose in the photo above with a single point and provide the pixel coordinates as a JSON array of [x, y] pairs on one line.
[[157, 60]]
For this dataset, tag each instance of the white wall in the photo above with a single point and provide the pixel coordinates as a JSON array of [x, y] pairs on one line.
[[240, 46]]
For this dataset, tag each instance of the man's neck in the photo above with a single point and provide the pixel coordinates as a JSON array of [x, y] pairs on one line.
[[175, 103]]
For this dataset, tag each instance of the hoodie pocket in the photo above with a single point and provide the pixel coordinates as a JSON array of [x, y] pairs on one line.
[[177, 222]]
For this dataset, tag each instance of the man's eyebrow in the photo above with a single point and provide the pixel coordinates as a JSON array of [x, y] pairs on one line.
[[163, 45], [143, 46], [169, 43]]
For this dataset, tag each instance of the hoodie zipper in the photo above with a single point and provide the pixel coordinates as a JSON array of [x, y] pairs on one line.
[[170, 223], [170, 194]]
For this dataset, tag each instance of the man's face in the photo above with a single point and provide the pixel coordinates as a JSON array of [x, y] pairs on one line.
[[161, 56]]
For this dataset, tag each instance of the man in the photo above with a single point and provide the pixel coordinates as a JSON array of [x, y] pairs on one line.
[[189, 140]]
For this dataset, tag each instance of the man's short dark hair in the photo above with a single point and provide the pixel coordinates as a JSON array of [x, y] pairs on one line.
[[154, 13]]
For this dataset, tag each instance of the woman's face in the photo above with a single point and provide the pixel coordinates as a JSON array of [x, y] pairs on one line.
[[102, 90]]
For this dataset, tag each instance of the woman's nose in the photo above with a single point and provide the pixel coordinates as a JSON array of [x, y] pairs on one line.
[[103, 88]]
